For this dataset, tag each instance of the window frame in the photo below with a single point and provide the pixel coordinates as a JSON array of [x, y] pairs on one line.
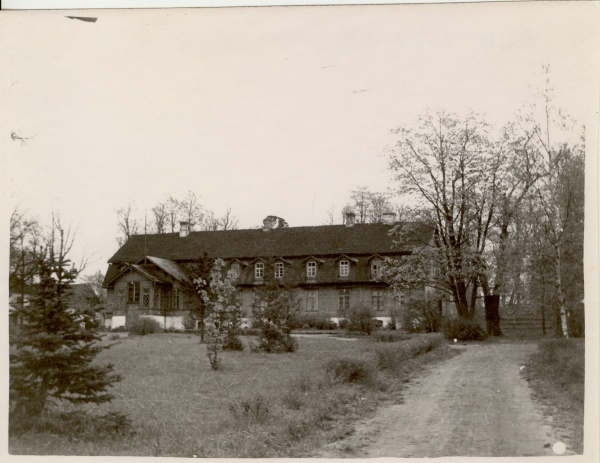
[[279, 270], [343, 300], [259, 270], [344, 264], [135, 285], [312, 295], [146, 297], [235, 270], [311, 269], [377, 302]]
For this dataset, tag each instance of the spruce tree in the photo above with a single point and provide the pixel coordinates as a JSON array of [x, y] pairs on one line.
[[52, 356]]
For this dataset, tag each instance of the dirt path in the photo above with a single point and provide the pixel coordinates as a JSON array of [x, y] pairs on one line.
[[475, 404]]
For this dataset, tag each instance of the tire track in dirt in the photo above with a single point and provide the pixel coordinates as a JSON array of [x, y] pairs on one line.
[[475, 404]]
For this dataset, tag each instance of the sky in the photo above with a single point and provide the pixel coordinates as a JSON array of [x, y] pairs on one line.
[[270, 111]]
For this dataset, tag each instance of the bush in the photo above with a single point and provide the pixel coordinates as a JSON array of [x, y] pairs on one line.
[[422, 317], [392, 356], [389, 336], [233, 343], [247, 332], [272, 339], [463, 329], [254, 410], [316, 323], [144, 326], [189, 321], [351, 370], [361, 320]]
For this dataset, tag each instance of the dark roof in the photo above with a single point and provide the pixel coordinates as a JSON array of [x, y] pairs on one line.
[[283, 242]]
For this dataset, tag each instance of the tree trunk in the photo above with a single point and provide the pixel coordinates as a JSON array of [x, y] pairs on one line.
[[492, 314], [560, 294]]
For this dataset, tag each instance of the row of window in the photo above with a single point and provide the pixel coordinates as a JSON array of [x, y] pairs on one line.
[[311, 269], [377, 300]]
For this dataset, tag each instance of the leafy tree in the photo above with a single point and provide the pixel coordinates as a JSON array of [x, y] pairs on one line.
[[276, 306], [199, 307], [53, 356], [223, 303], [437, 166]]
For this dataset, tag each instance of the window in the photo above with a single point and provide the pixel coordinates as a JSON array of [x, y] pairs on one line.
[[375, 269], [400, 300], [377, 300], [133, 292], [145, 298], [156, 303], [311, 269], [344, 268], [120, 298], [344, 300], [259, 270], [279, 270], [175, 298], [312, 300], [235, 270]]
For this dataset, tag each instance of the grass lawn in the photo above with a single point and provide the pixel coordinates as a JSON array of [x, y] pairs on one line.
[[556, 372], [256, 405]]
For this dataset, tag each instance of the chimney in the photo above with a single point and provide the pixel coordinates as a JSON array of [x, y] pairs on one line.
[[349, 218], [185, 228], [269, 223], [389, 217]]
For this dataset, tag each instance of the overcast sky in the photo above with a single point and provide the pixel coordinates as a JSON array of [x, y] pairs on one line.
[[268, 110]]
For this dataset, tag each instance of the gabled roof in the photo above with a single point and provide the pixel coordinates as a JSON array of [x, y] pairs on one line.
[[283, 242], [171, 268]]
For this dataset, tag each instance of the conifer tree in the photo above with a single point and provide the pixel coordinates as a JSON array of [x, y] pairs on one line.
[[52, 356]]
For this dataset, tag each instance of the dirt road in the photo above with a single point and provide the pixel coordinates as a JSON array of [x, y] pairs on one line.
[[475, 404]]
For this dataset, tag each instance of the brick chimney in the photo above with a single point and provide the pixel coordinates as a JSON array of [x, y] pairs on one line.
[[349, 218], [389, 217], [185, 228]]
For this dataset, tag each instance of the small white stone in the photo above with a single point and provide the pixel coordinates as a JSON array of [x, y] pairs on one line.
[[559, 448]]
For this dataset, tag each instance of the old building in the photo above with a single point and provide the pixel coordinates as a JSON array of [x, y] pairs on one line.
[[331, 269]]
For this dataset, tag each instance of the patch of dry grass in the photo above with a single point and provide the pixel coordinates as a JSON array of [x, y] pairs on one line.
[[256, 405], [556, 372]]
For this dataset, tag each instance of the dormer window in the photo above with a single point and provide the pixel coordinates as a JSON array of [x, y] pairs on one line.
[[375, 270], [235, 270], [376, 267], [344, 268], [278, 269], [259, 270], [311, 269]]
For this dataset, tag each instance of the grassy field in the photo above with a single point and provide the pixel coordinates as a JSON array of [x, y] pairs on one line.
[[556, 372], [256, 405]]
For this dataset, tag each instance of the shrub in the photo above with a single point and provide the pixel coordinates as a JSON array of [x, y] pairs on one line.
[[344, 323], [254, 409], [316, 323], [390, 336], [422, 317], [463, 329], [247, 332], [233, 343], [392, 356], [361, 320], [272, 339], [144, 326], [189, 321], [351, 370]]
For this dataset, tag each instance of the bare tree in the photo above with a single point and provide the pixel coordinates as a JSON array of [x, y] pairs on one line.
[[127, 223]]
